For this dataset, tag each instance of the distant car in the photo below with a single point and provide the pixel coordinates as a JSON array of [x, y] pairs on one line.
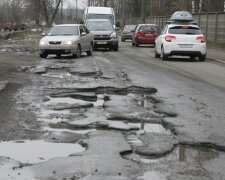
[[145, 34], [67, 39], [184, 40], [105, 35], [126, 33]]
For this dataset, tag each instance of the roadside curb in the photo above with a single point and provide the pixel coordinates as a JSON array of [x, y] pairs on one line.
[[214, 59]]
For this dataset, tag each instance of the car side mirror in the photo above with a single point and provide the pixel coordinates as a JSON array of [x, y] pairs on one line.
[[117, 28], [83, 33], [43, 34]]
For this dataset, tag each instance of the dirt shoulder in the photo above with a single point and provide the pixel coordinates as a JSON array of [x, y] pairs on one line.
[[14, 76]]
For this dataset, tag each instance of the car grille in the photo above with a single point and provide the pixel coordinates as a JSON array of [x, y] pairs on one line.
[[55, 42], [101, 37]]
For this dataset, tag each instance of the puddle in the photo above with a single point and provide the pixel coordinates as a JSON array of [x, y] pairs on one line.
[[57, 74], [181, 153], [37, 151], [144, 100], [151, 128], [51, 116], [82, 132], [72, 101], [154, 175]]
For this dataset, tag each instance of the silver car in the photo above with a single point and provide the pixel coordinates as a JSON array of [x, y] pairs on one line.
[[67, 39], [105, 35]]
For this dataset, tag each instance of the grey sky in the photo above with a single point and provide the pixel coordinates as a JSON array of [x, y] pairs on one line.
[[81, 3]]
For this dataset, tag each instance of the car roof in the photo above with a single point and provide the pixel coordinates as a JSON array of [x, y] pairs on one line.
[[98, 20], [68, 25], [191, 25], [99, 10], [147, 24]]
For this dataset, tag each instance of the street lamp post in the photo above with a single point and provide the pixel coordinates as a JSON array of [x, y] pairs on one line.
[[76, 12]]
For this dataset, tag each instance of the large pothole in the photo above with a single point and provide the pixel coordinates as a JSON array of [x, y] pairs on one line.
[[37, 151], [181, 153]]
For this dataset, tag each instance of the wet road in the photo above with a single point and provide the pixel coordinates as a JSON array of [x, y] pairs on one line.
[[117, 115]]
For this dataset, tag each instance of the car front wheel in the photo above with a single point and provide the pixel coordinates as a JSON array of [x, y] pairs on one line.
[[157, 55], [136, 44], [164, 57], [116, 47], [78, 52], [90, 52], [43, 55]]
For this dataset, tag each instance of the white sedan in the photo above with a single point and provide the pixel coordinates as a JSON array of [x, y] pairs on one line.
[[66, 39], [181, 40]]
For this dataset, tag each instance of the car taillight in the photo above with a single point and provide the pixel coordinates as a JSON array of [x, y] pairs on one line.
[[139, 34], [169, 38], [201, 38]]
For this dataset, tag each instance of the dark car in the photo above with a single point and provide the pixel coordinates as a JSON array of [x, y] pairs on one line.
[[145, 34], [105, 35], [126, 33]]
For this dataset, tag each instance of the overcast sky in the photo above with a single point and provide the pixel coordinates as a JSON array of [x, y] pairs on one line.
[[81, 3]]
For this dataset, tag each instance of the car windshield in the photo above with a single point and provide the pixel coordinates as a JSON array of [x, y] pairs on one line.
[[128, 28], [63, 31], [188, 30], [99, 26], [148, 29], [101, 16]]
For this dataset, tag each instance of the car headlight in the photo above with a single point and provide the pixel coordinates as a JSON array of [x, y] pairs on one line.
[[69, 42], [113, 35], [43, 42]]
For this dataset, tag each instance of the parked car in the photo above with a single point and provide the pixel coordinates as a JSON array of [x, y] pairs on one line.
[[126, 33], [181, 38], [105, 35], [144, 34], [67, 39]]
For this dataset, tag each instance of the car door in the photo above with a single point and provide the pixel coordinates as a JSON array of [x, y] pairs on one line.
[[133, 34], [88, 38], [82, 38], [158, 41]]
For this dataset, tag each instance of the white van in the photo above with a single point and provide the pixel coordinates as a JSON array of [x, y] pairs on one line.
[[100, 13]]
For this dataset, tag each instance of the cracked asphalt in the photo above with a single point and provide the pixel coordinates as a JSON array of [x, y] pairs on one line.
[[112, 116]]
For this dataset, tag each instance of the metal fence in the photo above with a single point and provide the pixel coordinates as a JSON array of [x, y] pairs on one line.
[[211, 24], [5, 35]]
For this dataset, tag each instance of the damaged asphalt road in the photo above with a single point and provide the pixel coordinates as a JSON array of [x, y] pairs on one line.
[[111, 116]]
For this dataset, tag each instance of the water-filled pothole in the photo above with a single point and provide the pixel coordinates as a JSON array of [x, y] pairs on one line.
[[71, 101], [58, 74], [151, 128], [82, 131], [37, 151], [146, 101], [181, 153], [154, 175]]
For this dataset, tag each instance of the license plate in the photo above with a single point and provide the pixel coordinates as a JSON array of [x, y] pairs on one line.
[[101, 42], [149, 34], [54, 47], [186, 45]]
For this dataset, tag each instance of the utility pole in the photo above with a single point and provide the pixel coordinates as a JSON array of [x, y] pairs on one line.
[[62, 12], [124, 14], [143, 4], [76, 12], [200, 11], [105, 3]]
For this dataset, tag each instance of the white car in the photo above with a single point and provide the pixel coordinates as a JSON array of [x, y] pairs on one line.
[[182, 40], [66, 39]]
